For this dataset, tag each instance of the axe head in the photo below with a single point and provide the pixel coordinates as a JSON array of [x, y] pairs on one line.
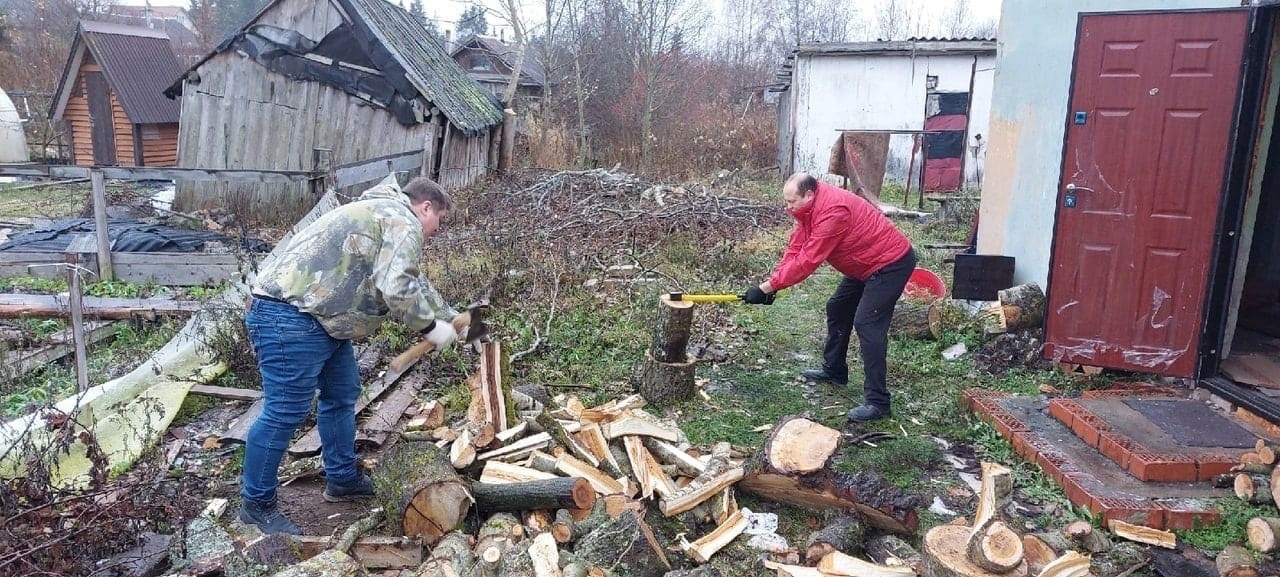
[[476, 331]]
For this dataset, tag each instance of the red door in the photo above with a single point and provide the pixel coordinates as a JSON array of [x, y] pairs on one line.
[[1150, 120]]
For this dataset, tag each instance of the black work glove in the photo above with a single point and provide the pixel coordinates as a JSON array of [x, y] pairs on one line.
[[755, 296]]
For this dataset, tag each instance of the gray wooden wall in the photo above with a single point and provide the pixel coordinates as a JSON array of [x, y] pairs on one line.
[[242, 116]]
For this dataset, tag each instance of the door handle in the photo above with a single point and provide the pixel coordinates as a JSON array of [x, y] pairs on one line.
[[1072, 188]]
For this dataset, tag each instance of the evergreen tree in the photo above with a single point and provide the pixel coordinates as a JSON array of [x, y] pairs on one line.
[[472, 22]]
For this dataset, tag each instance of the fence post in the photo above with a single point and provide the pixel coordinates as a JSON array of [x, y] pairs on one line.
[[322, 172], [105, 272], [76, 292]]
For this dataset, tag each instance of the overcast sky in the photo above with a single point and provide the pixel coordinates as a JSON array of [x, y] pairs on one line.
[[446, 12]]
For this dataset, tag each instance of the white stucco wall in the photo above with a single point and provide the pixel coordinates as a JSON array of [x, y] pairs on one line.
[[1028, 123], [879, 92], [13, 142]]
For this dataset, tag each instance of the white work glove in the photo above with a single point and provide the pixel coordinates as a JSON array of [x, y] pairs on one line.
[[441, 334]]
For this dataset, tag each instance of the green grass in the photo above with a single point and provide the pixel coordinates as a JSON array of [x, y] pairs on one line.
[[53, 201], [1231, 530]]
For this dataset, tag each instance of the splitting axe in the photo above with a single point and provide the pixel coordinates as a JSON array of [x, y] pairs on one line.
[[704, 298], [469, 323]]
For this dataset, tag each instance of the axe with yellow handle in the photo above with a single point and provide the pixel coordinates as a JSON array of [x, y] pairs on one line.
[[704, 298]]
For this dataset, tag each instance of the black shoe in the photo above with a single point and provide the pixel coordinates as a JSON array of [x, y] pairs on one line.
[[821, 376], [360, 488], [868, 413], [267, 517]]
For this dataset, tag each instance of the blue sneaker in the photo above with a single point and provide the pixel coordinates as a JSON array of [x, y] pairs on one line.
[[360, 488], [267, 517]]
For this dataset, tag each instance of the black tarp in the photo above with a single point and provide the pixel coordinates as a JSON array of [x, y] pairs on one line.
[[126, 236]]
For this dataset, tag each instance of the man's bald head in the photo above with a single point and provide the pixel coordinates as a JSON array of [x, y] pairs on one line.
[[801, 183]]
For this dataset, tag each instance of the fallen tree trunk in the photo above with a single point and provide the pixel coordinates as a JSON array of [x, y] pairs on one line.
[[420, 491], [884, 506], [911, 319]]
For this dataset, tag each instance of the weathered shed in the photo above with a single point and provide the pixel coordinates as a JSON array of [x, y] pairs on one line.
[[111, 95], [360, 79], [897, 88], [1134, 171]]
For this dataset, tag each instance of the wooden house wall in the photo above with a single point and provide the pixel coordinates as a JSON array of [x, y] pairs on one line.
[[463, 159], [159, 144], [241, 115]]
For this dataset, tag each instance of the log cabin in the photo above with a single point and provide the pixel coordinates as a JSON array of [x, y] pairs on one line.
[[111, 95]]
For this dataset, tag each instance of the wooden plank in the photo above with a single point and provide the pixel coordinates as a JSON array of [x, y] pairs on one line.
[[175, 269], [229, 393], [377, 168], [309, 444], [100, 226], [25, 305], [372, 552], [239, 430], [21, 362], [383, 422], [158, 173]]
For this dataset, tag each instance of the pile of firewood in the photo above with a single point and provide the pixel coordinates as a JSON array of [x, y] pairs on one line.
[[1255, 480]]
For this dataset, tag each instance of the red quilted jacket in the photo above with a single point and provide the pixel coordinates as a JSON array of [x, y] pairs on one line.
[[844, 230]]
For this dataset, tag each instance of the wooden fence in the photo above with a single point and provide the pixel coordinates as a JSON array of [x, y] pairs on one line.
[[176, 269]]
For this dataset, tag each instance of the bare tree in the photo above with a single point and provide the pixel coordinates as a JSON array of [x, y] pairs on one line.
[[898, 20]]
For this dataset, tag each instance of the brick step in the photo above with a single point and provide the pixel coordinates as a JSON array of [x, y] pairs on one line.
[[1139, 457], [1088, 478]]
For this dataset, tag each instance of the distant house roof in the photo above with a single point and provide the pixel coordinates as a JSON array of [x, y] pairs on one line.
[[138, 64], [531, 68], [388, 38]]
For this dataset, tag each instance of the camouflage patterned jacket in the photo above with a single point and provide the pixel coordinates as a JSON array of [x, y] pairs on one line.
[[356, 265]]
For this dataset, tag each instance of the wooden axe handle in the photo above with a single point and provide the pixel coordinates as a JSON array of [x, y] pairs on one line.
[[403, 360]]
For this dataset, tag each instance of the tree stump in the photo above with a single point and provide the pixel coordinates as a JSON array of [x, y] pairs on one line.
[[420, 491], [671, 332], [557, 493], [666, 383], [945, 555]]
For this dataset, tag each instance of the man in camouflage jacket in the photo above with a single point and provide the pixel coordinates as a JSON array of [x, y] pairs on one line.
[[337, 280]]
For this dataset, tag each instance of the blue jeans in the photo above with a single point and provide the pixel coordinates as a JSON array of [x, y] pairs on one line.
[[296, 358]]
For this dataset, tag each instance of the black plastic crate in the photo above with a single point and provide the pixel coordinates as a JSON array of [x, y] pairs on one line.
[[979, 276]]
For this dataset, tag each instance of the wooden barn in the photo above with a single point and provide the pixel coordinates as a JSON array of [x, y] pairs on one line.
[[313, 84], [111, 95]]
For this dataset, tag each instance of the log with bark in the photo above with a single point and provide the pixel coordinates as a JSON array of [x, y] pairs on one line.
[[844, 533], [885, 507], [911, 319], [625, 544], [1263, 533], [1082, 534], [331, 563], [1140, 534], [671, 331], [553, 493], [1070, 564], [420, 491], [451, 556], [892, 551], [1236, 561], [1254, 489], [995, 547], [1021, 307], [666, 383]]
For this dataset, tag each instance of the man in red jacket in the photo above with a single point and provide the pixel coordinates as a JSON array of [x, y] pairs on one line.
[[842, 229]]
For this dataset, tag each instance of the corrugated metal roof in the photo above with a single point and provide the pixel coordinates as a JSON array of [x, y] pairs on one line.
[[429, 68], [138, 64], [901, 47]]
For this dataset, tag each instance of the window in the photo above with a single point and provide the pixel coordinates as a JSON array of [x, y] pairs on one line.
[[483, 63]]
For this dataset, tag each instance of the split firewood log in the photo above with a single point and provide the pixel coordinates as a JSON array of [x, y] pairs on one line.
[[554, 493], [1236, 561], [945, 554], [718, 475], [994, 493], [626, 544], [885, 507], [837, 563], [1263, 533], [537, 520], [1140, 534], [562, 438], [1037, 552], [420, 491], [892, 551], [1082, 534], [1070, 564], [451, 556], [700, 551], [844, 533]]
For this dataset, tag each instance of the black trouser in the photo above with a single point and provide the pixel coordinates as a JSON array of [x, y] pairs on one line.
[[866, 306]]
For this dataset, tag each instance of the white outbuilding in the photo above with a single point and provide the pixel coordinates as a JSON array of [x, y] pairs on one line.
[[13, 142]]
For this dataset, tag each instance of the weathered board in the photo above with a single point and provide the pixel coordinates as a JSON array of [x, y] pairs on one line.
[[168, 269]]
